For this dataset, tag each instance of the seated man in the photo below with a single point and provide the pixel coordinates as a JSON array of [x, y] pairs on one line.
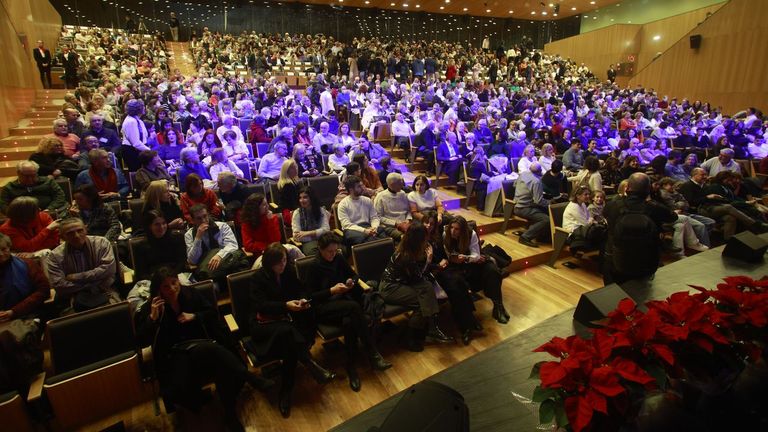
[[674, 168], [723, 162], [324, 141], [401, 132], [357, 216], [573, 160], [450, 158], [107, 137], [211, 246], [83, 269], [67, 138], [530, 204], [152, 168], [715, 206], [23, 289], [110, 182], [271, 163], [49, 195], [393, 207], [374, 152], [232, 194], [190, 164]]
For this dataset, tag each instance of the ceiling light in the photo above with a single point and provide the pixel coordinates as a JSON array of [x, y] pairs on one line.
[[543, 12], [511, 11], [465, 9], [657, 37], [488, 11], [573, 8], [533, 12]]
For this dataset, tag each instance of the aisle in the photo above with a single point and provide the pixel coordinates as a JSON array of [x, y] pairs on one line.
[[181, 58]]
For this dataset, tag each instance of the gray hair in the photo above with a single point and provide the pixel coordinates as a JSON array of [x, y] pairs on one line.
[[96, 153], [185, 152], [227, 178], [727, 152], [394, 177], [27, 164], [59, 121], [134, 107]]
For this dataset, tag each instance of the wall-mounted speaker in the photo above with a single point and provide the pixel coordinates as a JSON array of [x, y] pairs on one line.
[[695, 41]]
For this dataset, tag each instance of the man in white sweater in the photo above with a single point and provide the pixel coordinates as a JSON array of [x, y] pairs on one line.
[[393, 207], [357, 216]]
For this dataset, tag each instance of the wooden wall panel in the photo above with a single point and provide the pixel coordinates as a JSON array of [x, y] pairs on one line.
[[598, 49], [729, 68], [34, 19]]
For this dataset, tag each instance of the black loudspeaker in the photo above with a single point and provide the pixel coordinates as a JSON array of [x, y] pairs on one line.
[[695, 41], [596, 305], [746, 246], [428, 407]]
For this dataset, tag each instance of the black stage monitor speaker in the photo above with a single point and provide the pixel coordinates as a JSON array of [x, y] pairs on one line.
[[695, 41], [596, 305], [428, 407], [746, 246]]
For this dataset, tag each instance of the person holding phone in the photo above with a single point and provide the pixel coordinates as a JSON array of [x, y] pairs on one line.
[[338, 299], [189, 347], [281, 322]]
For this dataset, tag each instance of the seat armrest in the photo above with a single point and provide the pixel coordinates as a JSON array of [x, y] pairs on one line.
[[247, 254], [294, 242], [561, 229], [128, 277], [231, 323], [339, 232], [273, 205], [36, 387], [364, 285]]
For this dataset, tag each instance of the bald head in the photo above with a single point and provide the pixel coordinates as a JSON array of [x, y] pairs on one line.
[[639, 184], [535, 168]]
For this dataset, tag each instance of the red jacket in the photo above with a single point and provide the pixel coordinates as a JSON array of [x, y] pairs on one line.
[[32, 237], [41, 289], [208, 199], [255, 240]]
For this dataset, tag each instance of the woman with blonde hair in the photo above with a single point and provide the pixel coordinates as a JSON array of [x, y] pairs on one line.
[[158, 197], [52, 160], [288, 189]]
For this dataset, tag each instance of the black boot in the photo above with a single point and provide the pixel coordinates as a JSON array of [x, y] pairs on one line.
[[378, 362], [434, 334], [354, 379], [319, 373], [466, 336], [284, 403], [414, 340], [499, 313]]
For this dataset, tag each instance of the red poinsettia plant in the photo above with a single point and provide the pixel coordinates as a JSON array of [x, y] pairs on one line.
[[636, 351]]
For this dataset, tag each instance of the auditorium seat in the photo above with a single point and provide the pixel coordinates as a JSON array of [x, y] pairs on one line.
[[370, 260], [325, 188], [327, 332], [14, 413]]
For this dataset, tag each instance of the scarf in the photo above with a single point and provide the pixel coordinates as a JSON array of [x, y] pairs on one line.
[[104, 185], [16, 283], [307, 222], [70, 263]]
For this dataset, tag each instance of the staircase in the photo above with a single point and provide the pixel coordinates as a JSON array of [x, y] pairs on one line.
[[22, 140], [181, 58]]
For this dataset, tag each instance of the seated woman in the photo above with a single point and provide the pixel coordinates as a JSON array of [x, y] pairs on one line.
[[281, 322], [173, 143], [347, 138], [287, 188], [586, 233], [337, 300], [209, 143], [611, 173], [462, 306], [301, 135], [257, 132], [308, 163], [158, 197], [259, 228], [471, 270], [23, 289], [99, 219], [309, 221], [367, 173], [691, 161], [590, 175], [423, 198], [529, 157], [152, 168], [190, 164], [236, 150], [406, 281], [189, 346], [630, 166], [221, 163], [339, 159], [547, 157], [197, 194], [164, 247], [50, 156], [374, 152], [30, 229]]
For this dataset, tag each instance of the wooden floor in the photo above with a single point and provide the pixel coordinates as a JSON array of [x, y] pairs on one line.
[[530, 295]]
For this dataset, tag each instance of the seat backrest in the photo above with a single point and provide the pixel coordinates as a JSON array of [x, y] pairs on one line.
[[325, 188], [261, 149], [206, 289], [239, 285], [65, 186], [87, 337], [372, 258], [253, 188], [133, 246], [556, 212], [135, 205], [508, 190], [245, 124], [302, 267], [274, 192], [245, 167]]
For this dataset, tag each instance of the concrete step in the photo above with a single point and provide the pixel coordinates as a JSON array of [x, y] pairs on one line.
[[16, 153], [49, 108], [31, 130], [4, 180], [8, 168], [15, 141], [53, 93], [47, 115]]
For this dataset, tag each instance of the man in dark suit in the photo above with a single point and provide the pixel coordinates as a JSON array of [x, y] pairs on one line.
[[43, 59], [71, 61], [449, 157], [611, 73]]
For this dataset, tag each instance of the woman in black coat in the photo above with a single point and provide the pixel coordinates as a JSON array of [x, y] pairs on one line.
[[281, 325], [189, 347], [164, 247]]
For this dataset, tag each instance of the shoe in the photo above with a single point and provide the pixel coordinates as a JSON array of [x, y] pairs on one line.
[[258, 382], [477, 326], [319, 373], [434, 334], [284, 405], [529, 243], [698, 247], [466, 337], [354, 379], [499, 313], [378, 363]]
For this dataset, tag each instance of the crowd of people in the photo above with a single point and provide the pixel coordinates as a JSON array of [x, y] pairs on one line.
[[193, 146]]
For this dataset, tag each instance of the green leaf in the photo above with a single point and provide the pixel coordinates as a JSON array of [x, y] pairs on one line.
[[547, 411], [561, 418], [535, 370], [541, 394]]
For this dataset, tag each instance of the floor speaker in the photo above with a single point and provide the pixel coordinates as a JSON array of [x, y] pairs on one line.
[[746, 246], [428, 407], [595, 305]]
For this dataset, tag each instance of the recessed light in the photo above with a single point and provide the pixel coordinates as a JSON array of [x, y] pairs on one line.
[[657, 37], [573, 8], [511, 11], [465, 9], [442, 7], [533, 12], [488, 11], [543, 12]]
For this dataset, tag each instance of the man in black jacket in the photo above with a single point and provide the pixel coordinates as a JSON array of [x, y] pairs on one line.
[[632, 253], [43, 59], [71, 61]]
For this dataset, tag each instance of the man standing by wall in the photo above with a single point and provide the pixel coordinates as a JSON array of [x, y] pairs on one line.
[[174, 24], [43, 59]]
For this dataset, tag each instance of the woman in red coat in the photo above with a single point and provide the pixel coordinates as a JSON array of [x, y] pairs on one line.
[[30, 229], [197, 194], [259, 227], [450, 71]]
